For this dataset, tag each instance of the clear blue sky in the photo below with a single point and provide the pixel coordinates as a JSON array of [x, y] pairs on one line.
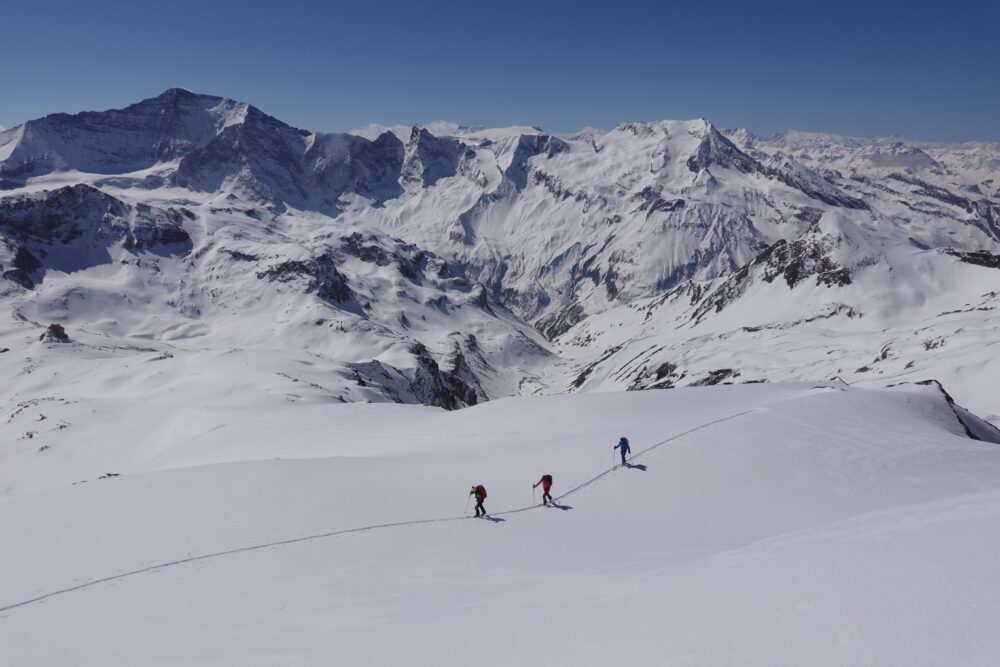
[[924, 70]]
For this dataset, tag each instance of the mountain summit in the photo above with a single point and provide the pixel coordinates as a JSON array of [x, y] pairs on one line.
[[461, 264]]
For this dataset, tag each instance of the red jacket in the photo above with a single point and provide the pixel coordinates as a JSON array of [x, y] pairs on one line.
[[545, 481], [480, 492]]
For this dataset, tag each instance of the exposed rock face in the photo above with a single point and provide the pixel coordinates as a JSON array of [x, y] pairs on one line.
[[139, 136], [981, 258], [77, 226], [716, 150], [795, 262], [425, 383], [802, 259], [527, 146], [64, 215], [25, 268], [427, 159], [319, 273], [344, 163], [258, 158], [719, 376], [784, 169]]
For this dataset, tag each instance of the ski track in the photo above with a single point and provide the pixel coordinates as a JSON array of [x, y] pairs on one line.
[[346, 531]]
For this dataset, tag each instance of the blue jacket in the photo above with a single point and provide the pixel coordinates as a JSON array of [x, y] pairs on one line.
[[623, 444]]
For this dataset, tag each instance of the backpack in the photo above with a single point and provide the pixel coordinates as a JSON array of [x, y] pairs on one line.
[[547, 478]]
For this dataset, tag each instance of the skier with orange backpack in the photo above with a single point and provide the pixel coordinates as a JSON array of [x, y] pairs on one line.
[[479, 491]]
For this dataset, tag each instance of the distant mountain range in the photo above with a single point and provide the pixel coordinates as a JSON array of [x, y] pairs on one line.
[[449, 265]]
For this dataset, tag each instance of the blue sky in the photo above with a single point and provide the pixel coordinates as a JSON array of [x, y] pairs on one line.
[[921, 70]]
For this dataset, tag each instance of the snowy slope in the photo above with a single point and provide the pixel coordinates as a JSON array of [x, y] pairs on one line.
[[834, 303], [768, 525], [447, 264]]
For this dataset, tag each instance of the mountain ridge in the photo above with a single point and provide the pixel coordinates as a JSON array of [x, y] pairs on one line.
[[504, 257]]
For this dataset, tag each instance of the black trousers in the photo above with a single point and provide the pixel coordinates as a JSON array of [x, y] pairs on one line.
[[480, 508]]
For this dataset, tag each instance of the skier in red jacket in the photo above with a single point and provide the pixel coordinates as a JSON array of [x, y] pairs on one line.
[[546, 482], [479, 491]]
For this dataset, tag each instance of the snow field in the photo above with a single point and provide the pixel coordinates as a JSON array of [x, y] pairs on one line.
[[824, 525]]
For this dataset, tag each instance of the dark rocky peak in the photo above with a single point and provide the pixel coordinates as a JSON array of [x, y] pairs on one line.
[[390, 144], [259, 157], [116, 141], [715, 149], [527, 146], [427, 159], [339, 163], [531, 145]]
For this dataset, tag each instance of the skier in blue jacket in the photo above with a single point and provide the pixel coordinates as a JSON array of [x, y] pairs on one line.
[[623, 446]]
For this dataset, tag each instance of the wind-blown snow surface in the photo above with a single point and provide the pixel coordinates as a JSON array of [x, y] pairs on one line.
[[786, 524]]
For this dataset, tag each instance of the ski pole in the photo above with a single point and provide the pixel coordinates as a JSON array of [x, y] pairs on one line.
[[467, 501], [532, 495]]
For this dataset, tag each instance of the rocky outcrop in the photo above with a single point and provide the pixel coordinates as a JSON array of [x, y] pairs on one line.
[[425, 382], [980, 258], [55, 333], [75, 227], [319, 274], [807, 257]]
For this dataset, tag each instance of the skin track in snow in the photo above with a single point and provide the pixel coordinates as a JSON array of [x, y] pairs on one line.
[[811, 504]]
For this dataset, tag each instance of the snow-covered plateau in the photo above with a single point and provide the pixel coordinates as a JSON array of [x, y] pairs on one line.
[[250, 372], [775, 524]]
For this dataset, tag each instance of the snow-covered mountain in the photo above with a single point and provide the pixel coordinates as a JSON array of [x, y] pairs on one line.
[[200, 300], [450, 264]]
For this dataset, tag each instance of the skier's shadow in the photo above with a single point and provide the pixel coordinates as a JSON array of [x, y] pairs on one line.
[[494, 519], [552, 503], [634, 466]]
